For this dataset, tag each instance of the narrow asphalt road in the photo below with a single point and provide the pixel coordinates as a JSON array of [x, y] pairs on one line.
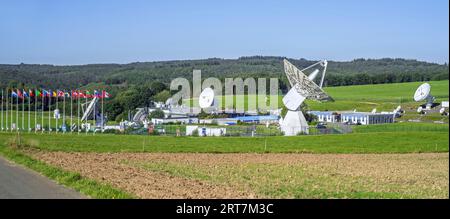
[[16, 182]]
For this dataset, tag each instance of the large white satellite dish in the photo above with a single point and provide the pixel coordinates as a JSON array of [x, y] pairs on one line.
[[422, 93], [303, 87], [206, 98]]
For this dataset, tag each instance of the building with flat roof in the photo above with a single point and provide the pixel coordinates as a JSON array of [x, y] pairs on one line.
[[362, 118]]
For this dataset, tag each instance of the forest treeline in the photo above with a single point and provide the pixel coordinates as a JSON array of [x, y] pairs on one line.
[[356, 72]]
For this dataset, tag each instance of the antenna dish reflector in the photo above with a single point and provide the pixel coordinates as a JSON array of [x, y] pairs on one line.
[[422, 92], [206, 98], [303, 84]]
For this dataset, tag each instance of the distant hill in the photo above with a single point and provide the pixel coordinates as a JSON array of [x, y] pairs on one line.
[[358, 71]]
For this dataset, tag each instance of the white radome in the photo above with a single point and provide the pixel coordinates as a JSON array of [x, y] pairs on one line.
[[206, 98], [422, 92]]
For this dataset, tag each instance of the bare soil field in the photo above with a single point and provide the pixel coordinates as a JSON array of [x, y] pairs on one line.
[[202, 175]]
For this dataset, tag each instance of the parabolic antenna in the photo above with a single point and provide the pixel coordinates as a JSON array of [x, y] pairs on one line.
[[422, 92], [303, 87], [206, 98]]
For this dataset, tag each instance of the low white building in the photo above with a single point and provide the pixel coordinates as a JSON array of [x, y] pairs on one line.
[[363, 118], [205, 131], [183, 120]]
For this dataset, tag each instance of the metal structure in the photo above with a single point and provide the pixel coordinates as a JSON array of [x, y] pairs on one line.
[[303, 87], [422, 93], [206, 98]]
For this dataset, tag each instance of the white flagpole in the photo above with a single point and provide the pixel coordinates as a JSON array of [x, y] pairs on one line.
[[29, 112], [85, 126], [7, 100], [2, 109], [7, 115], [23, 110], [59, 112], [49, 112], [64, 110], [94, 112], [42, 112], [35, 110], [17, 112], [103, 115], [12, 103], [71, 108], [78, 111]]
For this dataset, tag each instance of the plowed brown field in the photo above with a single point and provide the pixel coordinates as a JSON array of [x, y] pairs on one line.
[[191, 175]]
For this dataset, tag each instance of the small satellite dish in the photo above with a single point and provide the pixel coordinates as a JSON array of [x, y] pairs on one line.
[[422, 92], [374, 110], [206, 98], [420, 109]]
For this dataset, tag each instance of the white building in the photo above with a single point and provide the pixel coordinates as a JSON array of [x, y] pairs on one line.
[[363, 118], [183, 120], [205, 131]]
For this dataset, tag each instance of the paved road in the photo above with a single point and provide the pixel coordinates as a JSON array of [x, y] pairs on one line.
[[16, 182]]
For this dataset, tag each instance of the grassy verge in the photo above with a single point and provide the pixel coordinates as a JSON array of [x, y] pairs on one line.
[[73, 180], [402, 127]]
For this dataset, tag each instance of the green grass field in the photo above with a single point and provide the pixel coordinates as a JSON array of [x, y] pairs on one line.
[[384, 97], [368, 141]]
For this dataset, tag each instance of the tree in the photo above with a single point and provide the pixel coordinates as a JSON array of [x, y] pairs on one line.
[[156, 114]]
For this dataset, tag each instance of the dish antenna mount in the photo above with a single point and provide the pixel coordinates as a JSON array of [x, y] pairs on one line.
[[303, 87], [422, 93]]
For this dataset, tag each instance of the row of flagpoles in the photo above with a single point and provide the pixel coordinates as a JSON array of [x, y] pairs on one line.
[[58, 93], [12, 97]]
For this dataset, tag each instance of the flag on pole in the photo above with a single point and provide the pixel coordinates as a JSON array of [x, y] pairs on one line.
[[105, 94], [29, 110], [25, 94], [35, 112], [23, 109], [42, 112], [2, 110], [6, 114], [45, 93], [19, 93]]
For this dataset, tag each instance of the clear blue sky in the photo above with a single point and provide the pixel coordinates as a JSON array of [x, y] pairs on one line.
[[109, 31]]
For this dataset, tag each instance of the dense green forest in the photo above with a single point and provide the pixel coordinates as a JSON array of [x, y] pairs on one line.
[[358, 71], [137, 84]]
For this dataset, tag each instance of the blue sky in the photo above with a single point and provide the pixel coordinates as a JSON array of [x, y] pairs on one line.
[[89, 31]]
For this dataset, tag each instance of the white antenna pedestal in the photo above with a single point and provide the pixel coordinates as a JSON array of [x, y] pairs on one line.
[[294, 123]]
